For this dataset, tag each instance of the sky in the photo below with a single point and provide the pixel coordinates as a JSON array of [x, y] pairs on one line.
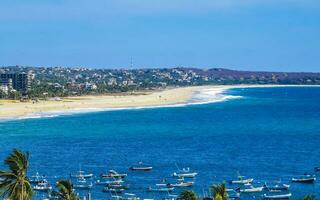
[[264, 35]]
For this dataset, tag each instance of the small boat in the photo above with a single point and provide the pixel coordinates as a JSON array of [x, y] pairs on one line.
[[114, 190], [103, 182], [185, 175], [182, 184], [250, 189], [118, 186], [304, 179], [130, 196], [277, 196], [242, 180], [82, 184], [113, 174], [277, 187], [317, 169], [161, 189], [37, 178], [42, 186], [140, 167], [81, 174]]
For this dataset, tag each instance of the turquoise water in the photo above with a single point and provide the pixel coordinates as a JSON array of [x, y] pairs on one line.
[[268, 134]]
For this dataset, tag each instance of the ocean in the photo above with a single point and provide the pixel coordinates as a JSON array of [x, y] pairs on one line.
[[269, 134]]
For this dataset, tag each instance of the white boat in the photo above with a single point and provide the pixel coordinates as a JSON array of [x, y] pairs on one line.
[[37, 178], [242, 180], [185, 175], [104, 182], [82, 184], [277, 196], [140, 167], [251, 189], [304, 179], [277, 187], [161, 189], [114, 190], [113, 174], [43, 186], [182, 184], [81, 174]]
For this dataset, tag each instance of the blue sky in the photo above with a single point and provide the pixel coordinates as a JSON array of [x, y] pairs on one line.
[[273, 35]]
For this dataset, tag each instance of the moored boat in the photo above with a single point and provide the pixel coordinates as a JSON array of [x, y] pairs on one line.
[[277, 196], [42, 186], [161, 189], [304, 179], [81, 174], [82, 184], [140, 167], [37, 178], [251, 189], [185, 174], [182, 184], [242, 180], [108, 182], [113, 190], [277, 187], [113, 174]]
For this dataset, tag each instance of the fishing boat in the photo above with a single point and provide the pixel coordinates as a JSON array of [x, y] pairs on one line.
[[277, 187], [118, 186], [161, 189], [304, 179], [250, 189], [81, 174], [140, 167], [242, 180], [42, 186], [182, 184], [104, 182], [114, 190], [82, 184], [277, 196], [130, 196], [113, 174], [35, 179], [184, 173]]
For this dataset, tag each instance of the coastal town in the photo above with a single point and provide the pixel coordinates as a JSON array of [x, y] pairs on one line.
[[19, 82]]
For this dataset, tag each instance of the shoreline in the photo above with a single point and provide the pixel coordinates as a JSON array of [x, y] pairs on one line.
[[173, 97]]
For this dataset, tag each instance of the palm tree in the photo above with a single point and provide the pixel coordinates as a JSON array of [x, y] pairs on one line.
[[66, 191], [220, 192], [187, 195], [15, 184], [308, 197]]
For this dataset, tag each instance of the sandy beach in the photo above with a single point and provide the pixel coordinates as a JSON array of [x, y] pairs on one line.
[[16, 109]]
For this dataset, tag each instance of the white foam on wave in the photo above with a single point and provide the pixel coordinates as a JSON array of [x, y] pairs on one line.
[[204, 96], [215, 95]]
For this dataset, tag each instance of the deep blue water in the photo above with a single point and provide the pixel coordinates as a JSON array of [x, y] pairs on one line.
[[269, 134]]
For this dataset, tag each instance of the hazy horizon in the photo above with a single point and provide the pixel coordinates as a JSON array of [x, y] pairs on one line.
[[248, 35]]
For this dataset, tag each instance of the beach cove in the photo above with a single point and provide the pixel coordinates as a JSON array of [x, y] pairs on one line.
[[11, 109]]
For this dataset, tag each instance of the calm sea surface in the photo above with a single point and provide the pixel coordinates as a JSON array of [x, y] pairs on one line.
[[269, 134]]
